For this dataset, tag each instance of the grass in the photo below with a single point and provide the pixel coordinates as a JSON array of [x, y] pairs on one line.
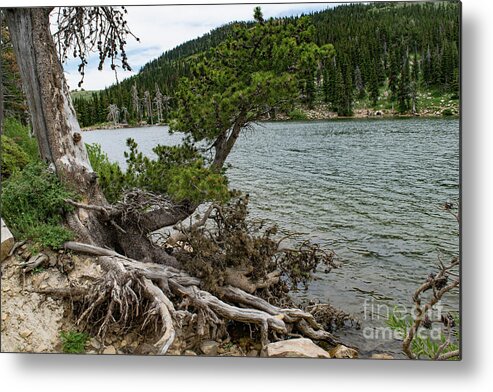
[[73, 342]]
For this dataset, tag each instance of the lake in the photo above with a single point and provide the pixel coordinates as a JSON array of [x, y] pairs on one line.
[[371, 190]]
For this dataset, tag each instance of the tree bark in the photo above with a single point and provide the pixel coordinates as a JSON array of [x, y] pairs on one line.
[[224, 144], [53, 116]]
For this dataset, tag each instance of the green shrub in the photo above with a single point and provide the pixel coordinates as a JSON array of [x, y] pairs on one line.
[[178, 171], [49, 235], [13, 157], [297, 114], [447, 112], [20, 135], [197, 183], [18, 147], [73, 342], [110, 176], [33, 206]]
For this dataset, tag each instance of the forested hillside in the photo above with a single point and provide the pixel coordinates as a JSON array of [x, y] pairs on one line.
[[399, 56]]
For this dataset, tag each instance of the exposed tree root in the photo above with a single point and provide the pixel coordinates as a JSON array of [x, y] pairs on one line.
[[164, 307], [133, 294], [34, 262]]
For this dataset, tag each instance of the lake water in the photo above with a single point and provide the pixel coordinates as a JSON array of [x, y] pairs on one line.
[[369, 189]]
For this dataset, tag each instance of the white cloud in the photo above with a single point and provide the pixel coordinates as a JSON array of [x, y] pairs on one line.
[[161, 28]]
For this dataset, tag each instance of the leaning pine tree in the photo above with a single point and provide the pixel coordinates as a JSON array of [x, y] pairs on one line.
[[222, 268]]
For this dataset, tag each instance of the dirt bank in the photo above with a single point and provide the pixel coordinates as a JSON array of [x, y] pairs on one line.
[[32, 320]]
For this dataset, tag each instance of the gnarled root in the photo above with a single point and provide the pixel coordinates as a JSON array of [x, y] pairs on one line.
[[135, 294]]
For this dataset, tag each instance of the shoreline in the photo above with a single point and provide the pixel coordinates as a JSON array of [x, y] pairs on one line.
[[316, 114]]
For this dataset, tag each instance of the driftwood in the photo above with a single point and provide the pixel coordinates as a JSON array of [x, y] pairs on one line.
[[117, 300], [439, 285]]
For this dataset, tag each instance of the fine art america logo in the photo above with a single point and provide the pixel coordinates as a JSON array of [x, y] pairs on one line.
[[392, 323]]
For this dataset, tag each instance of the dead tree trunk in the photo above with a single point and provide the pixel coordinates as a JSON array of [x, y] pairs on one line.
[[53, 116]]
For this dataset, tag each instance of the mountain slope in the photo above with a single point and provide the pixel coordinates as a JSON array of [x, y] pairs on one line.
[[387, 54]]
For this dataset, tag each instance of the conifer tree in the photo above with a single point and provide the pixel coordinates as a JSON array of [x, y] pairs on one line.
[[358, 83], [404, 88]]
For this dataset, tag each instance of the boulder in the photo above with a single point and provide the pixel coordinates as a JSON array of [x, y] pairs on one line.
[[7, 241], [340, 351], [209, 347], [110, 350], [294, 348]]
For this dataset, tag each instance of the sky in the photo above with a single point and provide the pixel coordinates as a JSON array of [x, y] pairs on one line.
[[161, 28]]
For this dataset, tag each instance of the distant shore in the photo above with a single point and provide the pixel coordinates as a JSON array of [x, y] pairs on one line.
[[111, 126], [316, 114]]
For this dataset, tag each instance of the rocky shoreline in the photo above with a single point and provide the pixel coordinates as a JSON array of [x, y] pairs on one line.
[[35, 313], [33, 317]]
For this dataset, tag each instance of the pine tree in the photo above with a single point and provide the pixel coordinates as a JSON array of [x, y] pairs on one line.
[[358, 83], [427, 68], [373, 87], [404, 88]]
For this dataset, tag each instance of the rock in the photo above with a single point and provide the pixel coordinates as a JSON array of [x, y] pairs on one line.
[[145, 349], [252, 353], [25, 333], [341, 351], [190, 353], [7, 241], [209, 347], [234, 351], [295, 348], [381, 356], [172, 352], [109, 350], [94, 343]]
